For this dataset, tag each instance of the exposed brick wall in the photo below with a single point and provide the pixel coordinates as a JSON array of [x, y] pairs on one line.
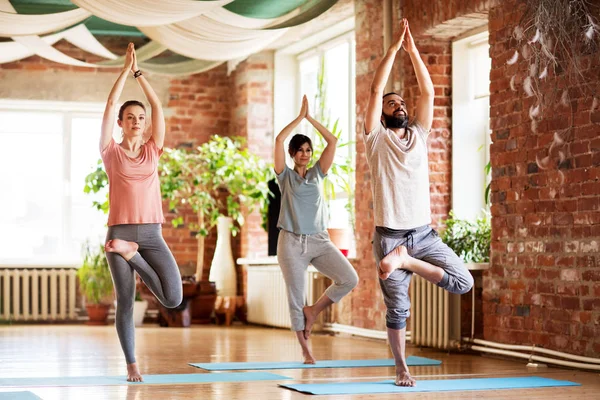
[[251, 89], [425, 16], [252, 118], [367, 309], [545, 276]]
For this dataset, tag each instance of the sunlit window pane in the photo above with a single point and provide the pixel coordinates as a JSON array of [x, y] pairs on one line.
[[87, 223], [47, 216], [32, 187]]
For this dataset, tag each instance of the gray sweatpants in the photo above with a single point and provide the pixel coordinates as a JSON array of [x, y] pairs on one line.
[[424, 244], [156, 266], [295, 252]]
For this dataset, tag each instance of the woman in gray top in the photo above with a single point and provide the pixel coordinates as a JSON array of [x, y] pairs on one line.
[[303, 237]]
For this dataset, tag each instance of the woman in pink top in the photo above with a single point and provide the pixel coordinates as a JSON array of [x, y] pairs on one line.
[[134, 240]]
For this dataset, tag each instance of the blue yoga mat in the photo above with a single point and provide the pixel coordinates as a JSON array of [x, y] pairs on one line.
[[412, 361], [446, 385], [18, 396], [148, 379]]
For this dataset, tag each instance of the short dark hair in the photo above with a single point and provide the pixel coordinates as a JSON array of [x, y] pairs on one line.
[[127, 104], [297, 142], [391, 93]]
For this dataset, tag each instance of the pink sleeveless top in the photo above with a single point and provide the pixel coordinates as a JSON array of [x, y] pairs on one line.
[[134, 188]]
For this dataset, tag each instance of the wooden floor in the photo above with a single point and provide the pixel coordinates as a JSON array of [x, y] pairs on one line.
[[76, 350]]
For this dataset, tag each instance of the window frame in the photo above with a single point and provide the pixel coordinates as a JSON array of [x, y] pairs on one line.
[[69, 111]]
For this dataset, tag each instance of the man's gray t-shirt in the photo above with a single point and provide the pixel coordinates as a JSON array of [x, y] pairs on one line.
[[399, 177], [303, 209]]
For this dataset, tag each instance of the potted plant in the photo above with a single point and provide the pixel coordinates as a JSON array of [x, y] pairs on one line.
[[95, 283], [220, 179], [470, 240]]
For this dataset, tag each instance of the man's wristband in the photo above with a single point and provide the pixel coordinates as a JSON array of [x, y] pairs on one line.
[[137, 74]]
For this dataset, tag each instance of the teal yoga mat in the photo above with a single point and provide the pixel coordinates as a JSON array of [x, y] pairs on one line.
[[446, 385], [18, 396], [412, 361], [148, 379]]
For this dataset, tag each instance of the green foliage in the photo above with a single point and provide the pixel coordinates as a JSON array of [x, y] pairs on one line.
[[219, 178], [94, 276], [341, 173], [488, 171], [471, 241], [95, 182]]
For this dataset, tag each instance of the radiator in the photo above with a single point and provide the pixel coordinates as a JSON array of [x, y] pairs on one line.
[[267, 296], [37, 294], [435, 315]]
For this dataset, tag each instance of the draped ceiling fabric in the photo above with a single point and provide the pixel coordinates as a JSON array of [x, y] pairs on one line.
[[201, 33]]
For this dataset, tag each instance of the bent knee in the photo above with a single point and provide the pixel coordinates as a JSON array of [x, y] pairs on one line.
[[465, 284], [174, 300], [353, 281]]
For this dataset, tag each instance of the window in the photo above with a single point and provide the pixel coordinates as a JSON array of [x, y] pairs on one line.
[[334, 62], [471, 66], [49, 148]]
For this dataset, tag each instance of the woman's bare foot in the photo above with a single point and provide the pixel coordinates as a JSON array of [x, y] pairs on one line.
[[403, 377], [126, 249], [396, 259], [308, 357], [133, 373], [309, 319]]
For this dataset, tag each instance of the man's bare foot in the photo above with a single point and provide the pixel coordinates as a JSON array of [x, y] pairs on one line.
[[396, 259], [308, 357], [126, 249], [309, 319], [403, 377], [133, 373]]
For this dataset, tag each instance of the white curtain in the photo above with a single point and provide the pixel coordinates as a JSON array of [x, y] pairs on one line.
[[192, 41], [13, 24], [13, 51], [148, 12], [225, 16], [81, 37]]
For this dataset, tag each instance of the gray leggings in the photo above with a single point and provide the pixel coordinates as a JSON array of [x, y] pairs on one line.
[[156, 266], [424, 244], [295, 252]]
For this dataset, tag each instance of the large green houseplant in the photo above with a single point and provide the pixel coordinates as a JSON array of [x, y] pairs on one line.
[[219, 178], [95, 282], [470, 240]]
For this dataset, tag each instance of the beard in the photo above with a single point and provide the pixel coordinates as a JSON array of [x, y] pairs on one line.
[[392, 121]]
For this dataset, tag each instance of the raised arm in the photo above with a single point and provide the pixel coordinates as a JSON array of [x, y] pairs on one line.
[[329, 152], [424, 111], [158, 118], [279, 152], [373, 115], [108, 120]]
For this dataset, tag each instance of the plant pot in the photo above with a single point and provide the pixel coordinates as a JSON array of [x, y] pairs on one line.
[[222, 268], [204, 304], [97, 313], [139, 311], [340, 237]]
